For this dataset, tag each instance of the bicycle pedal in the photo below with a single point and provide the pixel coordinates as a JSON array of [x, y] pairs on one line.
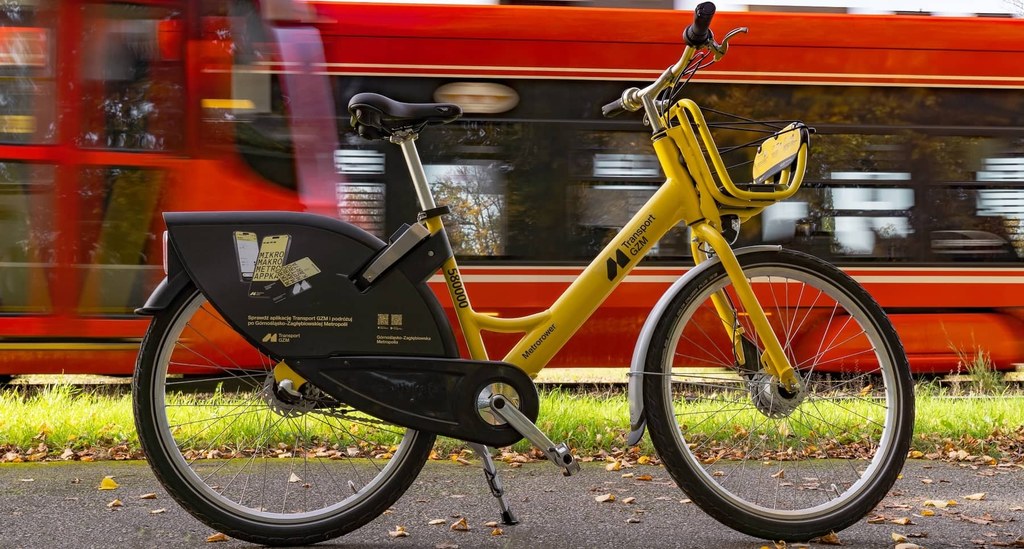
[[558, 454]]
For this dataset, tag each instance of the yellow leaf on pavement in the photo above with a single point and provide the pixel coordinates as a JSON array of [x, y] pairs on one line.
[[147, 496], [461, 526], [613, 466], [605, 498], [398, 532], [898, 538], [927, 513], [830, 538], [216, 537], [976, 497], [108, 484], [115, 503]]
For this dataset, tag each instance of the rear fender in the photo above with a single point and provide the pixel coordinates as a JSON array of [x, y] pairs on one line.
[[286, 282]]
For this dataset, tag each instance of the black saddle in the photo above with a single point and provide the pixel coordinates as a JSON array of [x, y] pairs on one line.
[[377, 117]]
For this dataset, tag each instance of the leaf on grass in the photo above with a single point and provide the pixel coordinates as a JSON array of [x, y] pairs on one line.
[[435, 522], [115, 503], [830, 538], [643, 460], [462, 525], [976, 497], [216, 537], [148, 496], [605, 498], [108, 484], [398, 532]]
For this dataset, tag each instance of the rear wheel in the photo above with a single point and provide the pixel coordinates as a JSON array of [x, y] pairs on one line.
[[766, 461], [249, 458]]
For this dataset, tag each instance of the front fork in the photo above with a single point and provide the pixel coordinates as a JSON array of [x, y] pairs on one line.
[[774, 358]]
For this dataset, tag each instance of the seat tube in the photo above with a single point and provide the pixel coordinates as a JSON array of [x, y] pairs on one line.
[[419, 177]]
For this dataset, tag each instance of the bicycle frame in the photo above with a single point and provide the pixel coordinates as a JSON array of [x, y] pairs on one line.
[[675, 201]]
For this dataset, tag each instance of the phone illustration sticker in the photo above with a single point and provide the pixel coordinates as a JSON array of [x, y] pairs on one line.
[[273, 252], [246, 250]]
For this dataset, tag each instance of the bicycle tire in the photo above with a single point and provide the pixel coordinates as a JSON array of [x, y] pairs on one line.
[[245, 462], [762, 460]]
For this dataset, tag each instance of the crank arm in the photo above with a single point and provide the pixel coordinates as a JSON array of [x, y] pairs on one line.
[[558, 453]]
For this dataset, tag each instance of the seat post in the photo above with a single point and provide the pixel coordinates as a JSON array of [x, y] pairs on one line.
[[419, 177]]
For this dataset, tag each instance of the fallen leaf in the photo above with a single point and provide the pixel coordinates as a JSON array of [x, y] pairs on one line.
[[898, 538], [461, 526], [435, 522], [627, 475], [629, 500], [27, 479], [108, 484], [605, 498], [633, 520], [115, 503], [877, 519], [939, 503], [926, 481], [830, 538], [157, 511], [780, 474], [147, 496], [446, 545], [916, 454], [645, 477], [976, 497], [497, 532], [643, 460], [613, 466], [927, 513], [907, 546], [294, 478], [398, 532], [491, 524], [216, 537]]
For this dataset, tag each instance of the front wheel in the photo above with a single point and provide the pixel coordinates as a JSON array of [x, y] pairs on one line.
[[766, 461], [248, 457]]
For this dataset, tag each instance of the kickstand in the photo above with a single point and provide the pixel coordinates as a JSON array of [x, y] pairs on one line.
[[491, 474]]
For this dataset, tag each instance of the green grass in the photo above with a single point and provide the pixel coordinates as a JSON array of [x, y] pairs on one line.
[[62, 416]]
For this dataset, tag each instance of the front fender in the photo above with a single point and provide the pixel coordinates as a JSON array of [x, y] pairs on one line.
[[637, 420]]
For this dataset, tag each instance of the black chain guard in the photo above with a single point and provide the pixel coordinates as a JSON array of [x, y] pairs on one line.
[[435, 395]]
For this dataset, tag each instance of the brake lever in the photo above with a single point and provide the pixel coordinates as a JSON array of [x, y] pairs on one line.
[[720, 49]]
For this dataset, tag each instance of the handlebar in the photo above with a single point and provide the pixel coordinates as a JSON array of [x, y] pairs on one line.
[[697, 35]]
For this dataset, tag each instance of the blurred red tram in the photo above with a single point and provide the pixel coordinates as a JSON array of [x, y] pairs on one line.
[[113, 112]]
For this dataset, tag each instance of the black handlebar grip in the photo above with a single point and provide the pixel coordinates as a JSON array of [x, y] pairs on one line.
[[613, 109], [699, 32]]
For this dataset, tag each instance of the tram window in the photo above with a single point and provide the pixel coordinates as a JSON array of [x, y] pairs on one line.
[[27, 91], [475, 190], [120, 241], [132, 85], [27, 236]]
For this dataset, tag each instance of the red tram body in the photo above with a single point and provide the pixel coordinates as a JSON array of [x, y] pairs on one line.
[[119, 112]]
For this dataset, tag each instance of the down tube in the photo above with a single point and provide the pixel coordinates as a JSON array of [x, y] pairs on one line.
[[595, 284]]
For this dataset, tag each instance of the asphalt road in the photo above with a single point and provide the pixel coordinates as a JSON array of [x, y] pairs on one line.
[[55, 505]]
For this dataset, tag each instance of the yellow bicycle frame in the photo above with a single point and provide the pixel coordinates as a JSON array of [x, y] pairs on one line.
[[688, 196]]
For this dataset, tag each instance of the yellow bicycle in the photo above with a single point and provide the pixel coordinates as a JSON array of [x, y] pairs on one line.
[[776, 392]]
